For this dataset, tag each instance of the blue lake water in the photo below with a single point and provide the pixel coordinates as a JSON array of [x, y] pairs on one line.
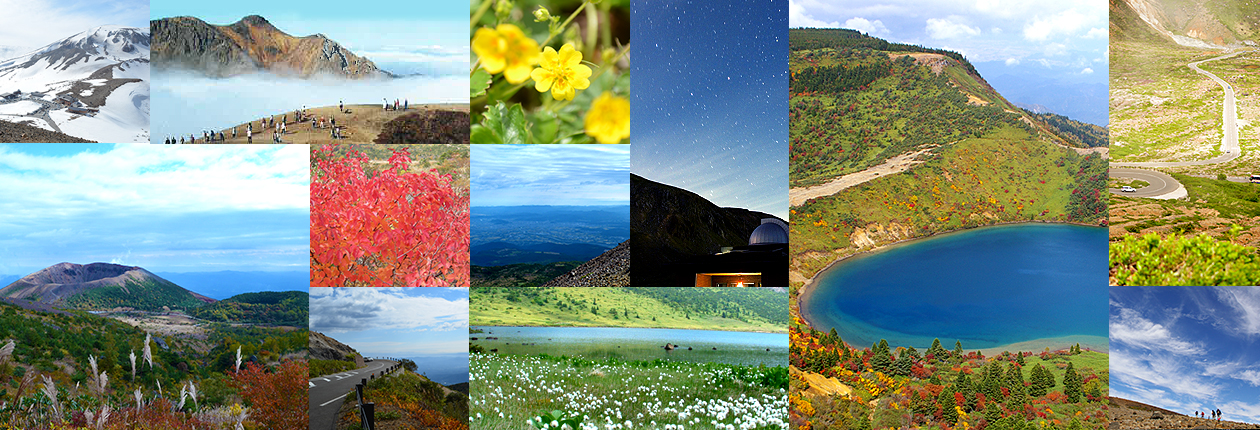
[[988, 287], [639, 344]]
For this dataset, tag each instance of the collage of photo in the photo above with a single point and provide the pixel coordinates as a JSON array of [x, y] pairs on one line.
[[834, 214]]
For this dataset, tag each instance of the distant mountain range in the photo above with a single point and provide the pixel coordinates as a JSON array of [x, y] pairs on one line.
[[100, 286], [252, 45], [223, 284], [669, 224], [103, 75], [503, 253]]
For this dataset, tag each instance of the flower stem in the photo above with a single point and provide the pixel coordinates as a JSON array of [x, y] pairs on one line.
[[566, 22], [485, 6]]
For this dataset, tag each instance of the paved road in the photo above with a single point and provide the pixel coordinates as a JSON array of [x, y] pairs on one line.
[[42, 113], [327, 392], [1161, 185], [1229, 115]]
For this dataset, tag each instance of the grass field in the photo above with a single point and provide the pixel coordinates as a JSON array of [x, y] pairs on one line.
[[1162, 110], [1005, 176], [616, 307], [509, 390], [408, 401]]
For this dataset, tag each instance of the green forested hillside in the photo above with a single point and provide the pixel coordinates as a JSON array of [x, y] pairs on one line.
[[740, 309], [146, 295], [268, 307], [983, 161], [520, 275]]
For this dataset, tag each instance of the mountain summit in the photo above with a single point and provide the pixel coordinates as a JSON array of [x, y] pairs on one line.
[[92, 85], [101, 286], [250, 45]]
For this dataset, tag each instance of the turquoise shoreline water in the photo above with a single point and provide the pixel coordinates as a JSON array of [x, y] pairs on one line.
[[987, 287]]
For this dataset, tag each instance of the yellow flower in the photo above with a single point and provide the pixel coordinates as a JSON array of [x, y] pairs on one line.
[[609, 118], [563, 73], [506, 49]]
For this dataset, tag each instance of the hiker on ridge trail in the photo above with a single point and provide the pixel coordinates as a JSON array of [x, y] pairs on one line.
[[404, 105]]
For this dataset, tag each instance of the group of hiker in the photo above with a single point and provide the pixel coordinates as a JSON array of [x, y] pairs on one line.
[[1211, 415], [280, 128], [385, 104]]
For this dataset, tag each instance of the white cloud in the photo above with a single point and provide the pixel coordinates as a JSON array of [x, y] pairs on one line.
[[1130, 328], [35, 23], [1087, 71], [866, 26], [995, 30], [1138, 369], [1012, 61], [1250, 376], [340, 310], [1239, 411], [797, 17], [1245, 301], [951, 27], [1096, 33], [1062, 23], [176, 179]]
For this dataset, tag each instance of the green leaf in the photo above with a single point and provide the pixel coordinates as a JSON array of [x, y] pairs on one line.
[[507, 125], [479, 81], [481, 134]]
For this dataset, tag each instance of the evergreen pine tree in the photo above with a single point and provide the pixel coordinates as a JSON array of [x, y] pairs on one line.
[[902, 365], [882, 361], [946, 402], [1071, 384], [1019, 358]]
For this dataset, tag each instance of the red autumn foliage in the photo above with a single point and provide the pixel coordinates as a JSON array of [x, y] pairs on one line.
[[391, 228], [277, 399]]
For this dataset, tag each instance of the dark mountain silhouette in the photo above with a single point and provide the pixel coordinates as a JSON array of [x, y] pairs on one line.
[[102, 286], [670, 225], [251, 45]]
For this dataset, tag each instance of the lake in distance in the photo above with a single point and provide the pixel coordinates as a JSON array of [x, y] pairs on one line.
[[988, 287], [598, 343]]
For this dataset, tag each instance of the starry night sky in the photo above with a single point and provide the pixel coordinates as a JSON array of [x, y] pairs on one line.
[[709, 104]]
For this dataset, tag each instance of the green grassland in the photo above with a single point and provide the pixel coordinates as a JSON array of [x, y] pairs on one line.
[[319, 368], [508, 390], [1006, 176], [735, 309], [521, 274], [1161, 109]]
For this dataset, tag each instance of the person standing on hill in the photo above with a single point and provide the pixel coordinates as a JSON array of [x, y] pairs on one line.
[[404, 105], [341, 106], [249, 133]]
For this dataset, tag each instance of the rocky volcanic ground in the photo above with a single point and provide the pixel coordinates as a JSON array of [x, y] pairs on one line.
[[610, 269], [22, 133], [1126, 415]]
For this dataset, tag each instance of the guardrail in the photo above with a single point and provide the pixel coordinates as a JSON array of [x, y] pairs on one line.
[[367, 410]]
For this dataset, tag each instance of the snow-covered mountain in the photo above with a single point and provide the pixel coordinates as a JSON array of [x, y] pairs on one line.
[[93, 85]]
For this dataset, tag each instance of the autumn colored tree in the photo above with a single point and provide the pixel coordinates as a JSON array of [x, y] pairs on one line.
[[391, 228], [278, 398]]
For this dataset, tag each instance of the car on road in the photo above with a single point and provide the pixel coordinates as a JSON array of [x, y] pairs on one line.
[[1255, 179], [1128, 189]]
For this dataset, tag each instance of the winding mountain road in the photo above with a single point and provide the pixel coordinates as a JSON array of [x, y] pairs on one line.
[[327, 392], [1229, 146]]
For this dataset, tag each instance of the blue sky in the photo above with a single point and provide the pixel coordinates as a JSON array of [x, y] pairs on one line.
[[555, 175], [1069, 36], [1188, 349], [34, 23], [390, 33], [393, 322], [167, 209], [713, 121], [1047, 52]]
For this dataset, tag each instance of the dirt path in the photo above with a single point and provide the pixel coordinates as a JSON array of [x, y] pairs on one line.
[[361, 124], [898, 164], [42, 113]]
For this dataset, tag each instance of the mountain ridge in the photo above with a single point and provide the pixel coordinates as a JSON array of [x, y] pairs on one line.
[[251, 45], [98, 286]]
